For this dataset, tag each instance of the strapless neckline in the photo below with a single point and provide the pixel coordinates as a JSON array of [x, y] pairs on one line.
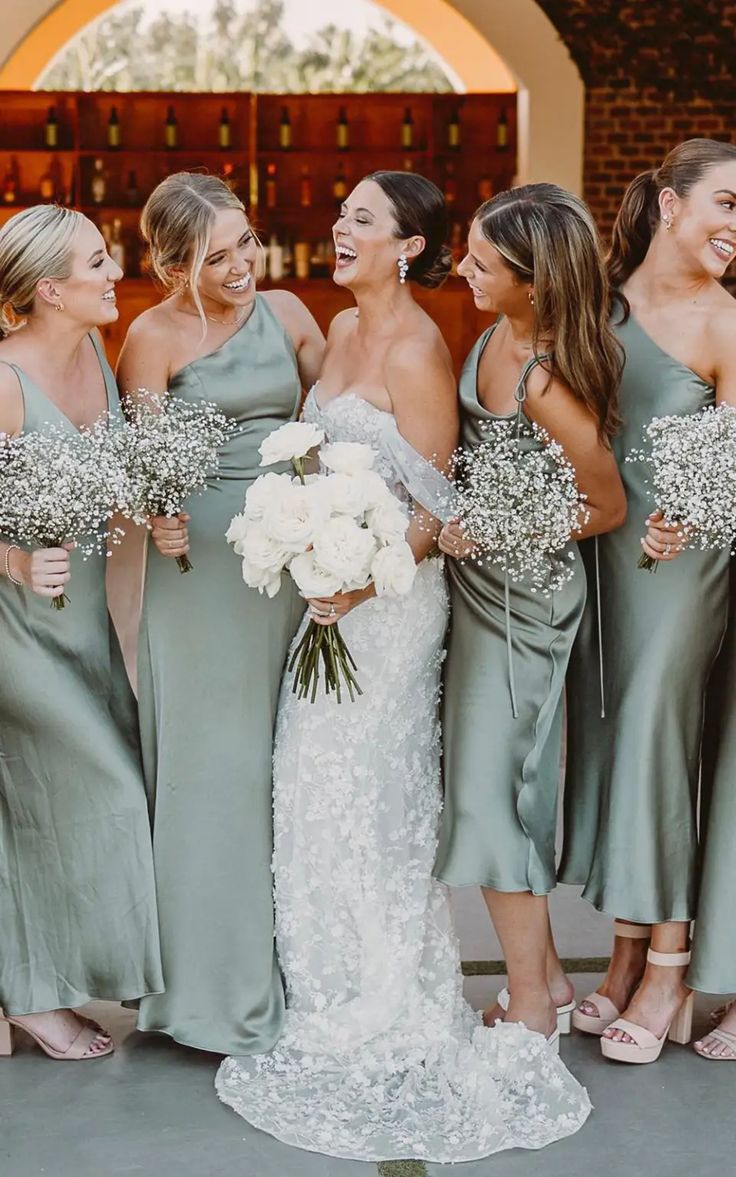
[[344, 396]]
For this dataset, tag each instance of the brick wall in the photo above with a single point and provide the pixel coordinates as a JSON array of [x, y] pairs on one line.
[[656, 72]]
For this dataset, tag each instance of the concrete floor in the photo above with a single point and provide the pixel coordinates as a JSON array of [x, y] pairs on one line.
[[151, 1109]]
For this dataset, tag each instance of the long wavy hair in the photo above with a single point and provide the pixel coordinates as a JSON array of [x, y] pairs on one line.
[[548, 237]]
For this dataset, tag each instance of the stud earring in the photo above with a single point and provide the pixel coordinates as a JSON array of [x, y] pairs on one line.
[[403, 265], [58, 306], [530, 296], [667, 221]]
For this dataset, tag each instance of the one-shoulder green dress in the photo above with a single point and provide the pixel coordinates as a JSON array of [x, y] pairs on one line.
[[502, 770], [211, 655], [77, 897], [632, 777]]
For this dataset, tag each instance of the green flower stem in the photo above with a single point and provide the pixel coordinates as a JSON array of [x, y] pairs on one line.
[[60, 602], [323, 645], [298, 464], [184, 563], [647, 562]]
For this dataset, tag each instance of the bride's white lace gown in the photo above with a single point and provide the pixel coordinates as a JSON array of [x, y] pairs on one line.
[[381, 1058]]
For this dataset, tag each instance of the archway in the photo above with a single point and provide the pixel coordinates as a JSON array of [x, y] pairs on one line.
[[488, 44]]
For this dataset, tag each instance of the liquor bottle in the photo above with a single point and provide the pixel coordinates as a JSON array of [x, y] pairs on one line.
[[271, 187], [305, 188], [113, 129], [450, 189], [47, 185], [343, 130], [98, 183], [10, 185], [171, 129], [453, 131], [407, 130], [51, 129], [340, 185], [223, 133], [485, 188], [116, 247], [285, 129], [502, 131], [275, 259], [132, 191]]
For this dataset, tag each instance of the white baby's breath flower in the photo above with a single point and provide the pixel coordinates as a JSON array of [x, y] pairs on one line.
[[347, 457], [290, 442], [311, 579], [393, 570], [345, 550]]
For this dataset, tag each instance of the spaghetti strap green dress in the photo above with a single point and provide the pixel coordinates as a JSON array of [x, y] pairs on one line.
[[713, 965], [502, 769], [77, 896], [632, 777], [211, 656]]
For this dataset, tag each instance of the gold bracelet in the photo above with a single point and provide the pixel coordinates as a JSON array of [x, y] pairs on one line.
[[8, 573]]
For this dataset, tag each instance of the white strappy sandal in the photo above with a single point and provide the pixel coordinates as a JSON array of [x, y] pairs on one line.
[[607, 1011], [563, 1012]]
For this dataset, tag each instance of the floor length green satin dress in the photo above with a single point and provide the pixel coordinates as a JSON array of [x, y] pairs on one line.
[[713, 966], [211, 656], [502, 772], [77, 897], [632, 777]]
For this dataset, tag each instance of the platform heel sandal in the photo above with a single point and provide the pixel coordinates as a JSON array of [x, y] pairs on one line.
[[607, 1011], [646, 1046]]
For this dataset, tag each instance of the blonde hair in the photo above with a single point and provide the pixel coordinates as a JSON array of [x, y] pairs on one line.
[[176, 225], [34, 244], [548, 237]]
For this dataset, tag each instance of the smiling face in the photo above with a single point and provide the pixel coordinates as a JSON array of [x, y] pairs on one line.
[[704, 222], [88, 294], [227, 277], [496, 288], [367, 249]]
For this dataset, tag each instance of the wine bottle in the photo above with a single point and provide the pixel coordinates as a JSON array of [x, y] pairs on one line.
[[285, 129], [132, 191], [450, 189], [343, 130], [223, 133], [275, 259], [171, 129], [47, 185], [453, 131], [10, 185], [305, 188], [51, 129], [113, 129], [502, 131], [340, 185], [407, 130], [98, 183], [271, 188], [116, 248]]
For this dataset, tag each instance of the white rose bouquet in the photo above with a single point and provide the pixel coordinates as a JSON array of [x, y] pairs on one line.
[[520, 506], [692, 460], [59, 487], [168, 449], [334, 532]]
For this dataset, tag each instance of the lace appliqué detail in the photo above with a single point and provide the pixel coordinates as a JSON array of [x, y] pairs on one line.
[[381, 1057]]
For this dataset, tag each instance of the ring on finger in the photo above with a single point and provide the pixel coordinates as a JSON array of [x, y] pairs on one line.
[[333, 611], [667, 549]]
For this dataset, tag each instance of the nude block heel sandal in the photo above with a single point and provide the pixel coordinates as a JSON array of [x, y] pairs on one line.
[[647, 1047], [77, 1051], [607, 1011]]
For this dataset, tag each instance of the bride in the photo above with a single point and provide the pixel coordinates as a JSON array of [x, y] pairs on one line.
[[381, 1058]]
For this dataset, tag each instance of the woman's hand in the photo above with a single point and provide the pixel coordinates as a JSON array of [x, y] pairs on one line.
[[171, 536], [663, 541], [329, 610], [44, 571], [454, 542]]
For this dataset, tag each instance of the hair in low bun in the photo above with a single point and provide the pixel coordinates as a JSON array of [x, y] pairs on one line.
[[34, 244], [420, 211]]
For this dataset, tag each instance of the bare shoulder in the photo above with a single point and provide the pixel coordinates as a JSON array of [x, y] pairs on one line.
[[419, 353], [342, 324], [151, 325], [720, 326]]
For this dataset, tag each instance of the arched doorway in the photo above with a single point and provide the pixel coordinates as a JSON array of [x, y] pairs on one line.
[[488, 44]]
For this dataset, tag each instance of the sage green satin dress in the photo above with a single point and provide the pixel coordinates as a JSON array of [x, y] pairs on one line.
[[77, 897], [502, 771], [713, 966], [211, 656], [632, 777]]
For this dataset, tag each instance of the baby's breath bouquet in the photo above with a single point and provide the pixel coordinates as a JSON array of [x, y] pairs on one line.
[[168, 449], [58, 487], [520, 505], [692, 460]]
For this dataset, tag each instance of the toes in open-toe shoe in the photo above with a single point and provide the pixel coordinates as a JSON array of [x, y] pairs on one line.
[[645, 1046], [606, 1011], [78, 1051], [724, 1038]]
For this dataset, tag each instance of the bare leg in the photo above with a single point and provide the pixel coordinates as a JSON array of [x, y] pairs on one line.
[[628, 961], [521, 921], [560, 987], [662, 989]]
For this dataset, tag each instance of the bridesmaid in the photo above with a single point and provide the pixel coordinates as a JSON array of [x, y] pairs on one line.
[[77, 904], [211, 652], [534, 260], [633, 777]]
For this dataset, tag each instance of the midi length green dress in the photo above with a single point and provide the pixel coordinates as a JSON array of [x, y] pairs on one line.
[[502, 771], [632, 777], [77, 897], [211, 656], [713, 966]]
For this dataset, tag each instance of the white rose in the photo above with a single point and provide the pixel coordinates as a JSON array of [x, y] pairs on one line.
[[293, 519], [263, 579], [263, 491], [291, 441], [235, 533], [345, 550], [388, 521], [347, 457], [354, 494], [311, 579], [393, 570], [261, 550]]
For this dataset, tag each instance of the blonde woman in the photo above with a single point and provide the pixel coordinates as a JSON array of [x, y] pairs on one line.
[[211, 651], [77, 906], [550, 358]]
